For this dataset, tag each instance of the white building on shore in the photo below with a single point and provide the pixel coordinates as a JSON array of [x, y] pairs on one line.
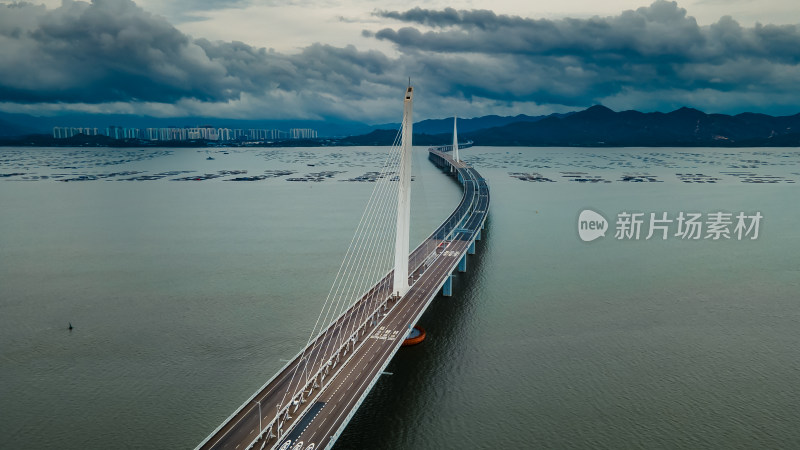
[[208, 133]]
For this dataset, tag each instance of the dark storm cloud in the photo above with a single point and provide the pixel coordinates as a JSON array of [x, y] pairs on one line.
[[106, 51], [657, 57], [581, 61], [112, 50], [180, 11], [661, 30]]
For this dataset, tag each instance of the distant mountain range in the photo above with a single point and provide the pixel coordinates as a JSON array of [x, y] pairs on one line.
[[8, 129], [597, 126], [441, 126], [23, 124]]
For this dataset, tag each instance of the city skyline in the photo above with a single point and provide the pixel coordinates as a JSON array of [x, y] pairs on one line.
[[205, 132], [177, 59]]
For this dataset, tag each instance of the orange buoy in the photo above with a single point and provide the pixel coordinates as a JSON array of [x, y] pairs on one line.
[[415, 336]]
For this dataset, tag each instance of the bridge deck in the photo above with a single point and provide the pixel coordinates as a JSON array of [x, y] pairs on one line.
[[328, 409]]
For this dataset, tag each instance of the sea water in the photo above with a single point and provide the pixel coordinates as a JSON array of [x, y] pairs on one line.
[[187, 290]]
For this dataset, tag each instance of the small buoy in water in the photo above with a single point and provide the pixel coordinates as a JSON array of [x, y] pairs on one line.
[[415, 336], [70, 326]]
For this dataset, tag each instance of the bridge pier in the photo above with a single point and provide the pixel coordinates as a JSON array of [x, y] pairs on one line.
[[471, 249], [478, 236], [462, 265], [447, 289]]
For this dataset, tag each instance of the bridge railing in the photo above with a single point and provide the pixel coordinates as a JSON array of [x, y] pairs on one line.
[[466, 177]]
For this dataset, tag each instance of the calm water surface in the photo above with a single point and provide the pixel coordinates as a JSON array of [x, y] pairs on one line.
[[186, 295]]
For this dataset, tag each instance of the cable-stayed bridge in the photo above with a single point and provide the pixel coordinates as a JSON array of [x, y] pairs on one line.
[[379, 293], [456, 145]]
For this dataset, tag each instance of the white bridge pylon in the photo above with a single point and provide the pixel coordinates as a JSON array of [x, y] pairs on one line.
[[455, 140], [401, 248], [360, 305], [355, 304]]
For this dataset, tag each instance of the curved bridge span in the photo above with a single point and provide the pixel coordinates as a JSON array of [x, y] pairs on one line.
[[342, 376]]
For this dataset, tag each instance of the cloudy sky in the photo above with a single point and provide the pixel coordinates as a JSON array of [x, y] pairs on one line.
[[303, 59]]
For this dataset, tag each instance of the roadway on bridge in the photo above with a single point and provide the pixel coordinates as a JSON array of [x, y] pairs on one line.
[[352, 382], [326, 412]]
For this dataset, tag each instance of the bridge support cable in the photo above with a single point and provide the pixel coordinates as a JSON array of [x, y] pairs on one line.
[[357, 317], [379, 197], [346, 285], [376, 263], [373, 263], [333, 348], [344, 314], [330, 307], [366, 311], [376, 232], [380, 300], [325, 357], [351, 284], [339, 341]]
